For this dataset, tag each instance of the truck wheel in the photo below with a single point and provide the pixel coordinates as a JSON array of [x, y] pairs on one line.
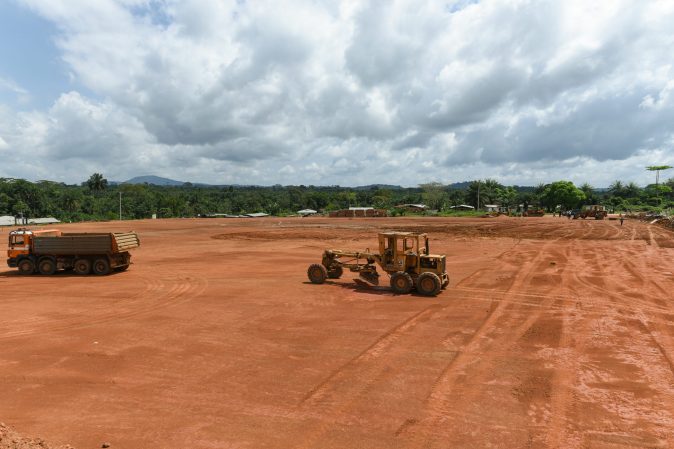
[[317, 273], [428, 284], [401, 283], [82, 266], [46, 266], [335, 272], [26, 266], [101, 267]]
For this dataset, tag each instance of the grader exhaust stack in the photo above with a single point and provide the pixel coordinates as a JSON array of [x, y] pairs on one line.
[[405, 256]]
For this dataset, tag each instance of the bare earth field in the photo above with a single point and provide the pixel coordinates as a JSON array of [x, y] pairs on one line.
[[552, 334]]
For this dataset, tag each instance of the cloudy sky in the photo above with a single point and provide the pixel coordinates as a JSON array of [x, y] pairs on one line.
[[326, 92]]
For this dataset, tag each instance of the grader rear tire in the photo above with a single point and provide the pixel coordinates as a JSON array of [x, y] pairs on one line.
[[429, 284], [401, 283], [317, 273]]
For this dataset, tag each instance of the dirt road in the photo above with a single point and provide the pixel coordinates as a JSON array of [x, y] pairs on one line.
[[552, 334]]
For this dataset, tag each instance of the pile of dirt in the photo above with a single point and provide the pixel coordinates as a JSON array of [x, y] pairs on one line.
[[666, 223], [9, 439]]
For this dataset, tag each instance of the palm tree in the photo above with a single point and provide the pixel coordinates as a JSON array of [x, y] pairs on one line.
[[97, 183], [656, 169], [617, 189], [632, 190], [588, 190]]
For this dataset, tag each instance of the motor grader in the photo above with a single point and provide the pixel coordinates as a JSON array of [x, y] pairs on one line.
[[405, 256]]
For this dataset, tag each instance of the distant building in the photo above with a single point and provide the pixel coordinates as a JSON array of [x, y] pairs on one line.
[[462, 207], [306, 212], [8, 220], [361, 208], [257, 215], [359, 212], [412, 207], [492, 207]]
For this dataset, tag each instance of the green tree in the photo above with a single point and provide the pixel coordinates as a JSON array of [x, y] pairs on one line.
[[657, 169], [434, 195], [5, 202], [97, 183], [632, 190], [588, 190], [483, 192], [20, 208], [507, 197], [563, 193]]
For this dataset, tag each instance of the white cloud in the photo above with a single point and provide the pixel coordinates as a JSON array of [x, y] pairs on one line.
[[354, 92]]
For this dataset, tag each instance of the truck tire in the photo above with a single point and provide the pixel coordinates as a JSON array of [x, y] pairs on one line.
[[101, 267], [401, 282], [335, 272], [317, 273], [428, 284], [26, 267], [46, 266], [82, 266]]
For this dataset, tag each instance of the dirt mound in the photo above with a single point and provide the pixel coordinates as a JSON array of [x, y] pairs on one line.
[[9, 439]]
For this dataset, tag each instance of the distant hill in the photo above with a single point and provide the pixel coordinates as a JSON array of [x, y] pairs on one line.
[[378, 186], [155, 180]]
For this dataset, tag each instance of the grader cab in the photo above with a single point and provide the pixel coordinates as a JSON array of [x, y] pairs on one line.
[[405, 256]]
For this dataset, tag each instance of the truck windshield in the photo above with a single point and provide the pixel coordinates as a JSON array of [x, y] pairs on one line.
[[16, 240]]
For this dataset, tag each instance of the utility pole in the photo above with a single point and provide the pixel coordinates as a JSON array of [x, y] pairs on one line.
[[120, 205], [478, 194]]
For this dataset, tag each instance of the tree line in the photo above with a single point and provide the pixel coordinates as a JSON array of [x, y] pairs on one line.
[[96, 199]]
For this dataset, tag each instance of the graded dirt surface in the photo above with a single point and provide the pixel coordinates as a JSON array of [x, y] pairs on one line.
[[552, 334]]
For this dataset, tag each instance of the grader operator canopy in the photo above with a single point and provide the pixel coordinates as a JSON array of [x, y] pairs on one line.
[[405, 256]]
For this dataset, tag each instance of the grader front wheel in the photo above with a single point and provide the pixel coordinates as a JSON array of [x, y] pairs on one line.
[[317, 273], [428, 284]]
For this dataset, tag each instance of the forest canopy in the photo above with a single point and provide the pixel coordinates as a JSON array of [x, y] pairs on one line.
[[97, 199]]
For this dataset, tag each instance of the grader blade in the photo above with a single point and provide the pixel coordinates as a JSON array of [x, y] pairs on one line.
[[371, 277]]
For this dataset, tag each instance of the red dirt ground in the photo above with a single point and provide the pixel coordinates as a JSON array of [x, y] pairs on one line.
[[552, 334]]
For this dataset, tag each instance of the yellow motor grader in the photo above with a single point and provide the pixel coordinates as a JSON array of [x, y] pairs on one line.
[[405, 256]]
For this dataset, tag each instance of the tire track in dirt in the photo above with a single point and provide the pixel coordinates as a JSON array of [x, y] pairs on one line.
[[331, 400], [597, 305], [181, 291], [620, 264], [371, 352], [438, 402]]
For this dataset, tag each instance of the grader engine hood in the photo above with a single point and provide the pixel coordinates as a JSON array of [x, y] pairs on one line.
[[434, 261]]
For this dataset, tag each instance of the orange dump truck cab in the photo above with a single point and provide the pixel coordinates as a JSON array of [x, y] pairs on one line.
[[47, 251], [21, 242]]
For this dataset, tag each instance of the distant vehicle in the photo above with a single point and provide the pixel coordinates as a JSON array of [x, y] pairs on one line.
[[49, 250], [531, 212], [596, 211]]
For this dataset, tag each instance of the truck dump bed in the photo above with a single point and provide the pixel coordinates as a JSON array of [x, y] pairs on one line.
[[68, 244]]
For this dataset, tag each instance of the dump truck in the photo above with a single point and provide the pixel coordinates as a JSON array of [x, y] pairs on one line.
[[49, 250], [534, 212], [596, 211], [404, 256]]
